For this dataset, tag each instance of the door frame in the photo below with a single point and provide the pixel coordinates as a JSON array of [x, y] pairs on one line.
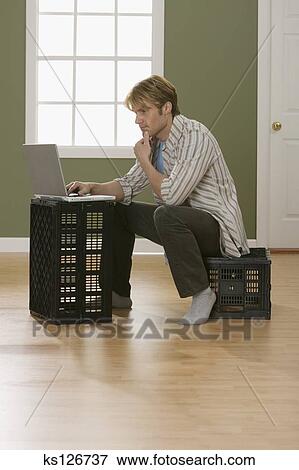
[[263, 124]]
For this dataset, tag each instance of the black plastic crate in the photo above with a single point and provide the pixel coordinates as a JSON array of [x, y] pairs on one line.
[[70, 260], [242, 285]]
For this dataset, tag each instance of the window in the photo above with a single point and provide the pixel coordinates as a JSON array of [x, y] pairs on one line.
[[83, 56]]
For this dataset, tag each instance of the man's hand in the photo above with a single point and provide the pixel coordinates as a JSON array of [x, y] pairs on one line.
[[142, 149], [80, 188]]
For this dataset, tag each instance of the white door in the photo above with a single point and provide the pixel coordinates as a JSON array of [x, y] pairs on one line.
[[284, 161]]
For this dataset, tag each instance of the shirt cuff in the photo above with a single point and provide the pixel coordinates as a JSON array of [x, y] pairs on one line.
[[126, 189]]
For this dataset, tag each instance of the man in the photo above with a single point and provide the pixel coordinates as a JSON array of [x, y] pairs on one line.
[[196, 212]]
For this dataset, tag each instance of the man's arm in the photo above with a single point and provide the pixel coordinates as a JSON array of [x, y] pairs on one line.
[[133, 182], [195, 158], [111, 188], [124, 188], [155, 177], [142, 151]]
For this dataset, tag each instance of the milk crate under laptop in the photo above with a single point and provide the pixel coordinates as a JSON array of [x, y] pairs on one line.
[[70, 260]]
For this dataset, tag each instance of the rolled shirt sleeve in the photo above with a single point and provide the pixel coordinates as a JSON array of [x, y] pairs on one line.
[[195, 156], [133, 183]]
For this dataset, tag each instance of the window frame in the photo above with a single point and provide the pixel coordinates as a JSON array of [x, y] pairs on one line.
[[32, 84]]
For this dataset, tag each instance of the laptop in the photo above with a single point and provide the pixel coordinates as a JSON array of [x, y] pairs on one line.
[[47, 177]]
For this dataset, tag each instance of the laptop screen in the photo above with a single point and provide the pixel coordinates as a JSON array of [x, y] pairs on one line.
[[45, 169]]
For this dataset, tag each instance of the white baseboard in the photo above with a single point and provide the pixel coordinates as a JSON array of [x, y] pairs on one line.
[[142, 246], [14, 245], [146, 247]]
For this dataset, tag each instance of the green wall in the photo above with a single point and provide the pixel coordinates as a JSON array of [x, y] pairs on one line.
[[209, 45]]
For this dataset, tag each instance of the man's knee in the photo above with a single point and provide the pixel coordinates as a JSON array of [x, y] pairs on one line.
[[162, 215]]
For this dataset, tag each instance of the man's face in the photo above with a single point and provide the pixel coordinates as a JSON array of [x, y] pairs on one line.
[[150, 118]]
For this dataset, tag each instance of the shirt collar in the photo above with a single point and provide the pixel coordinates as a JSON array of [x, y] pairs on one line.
[[176, 132]]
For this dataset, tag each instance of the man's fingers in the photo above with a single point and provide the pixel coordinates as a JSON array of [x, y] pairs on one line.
[[71, 187], [146, 137]]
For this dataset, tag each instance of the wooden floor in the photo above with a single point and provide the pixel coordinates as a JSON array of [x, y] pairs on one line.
[[70, 392]]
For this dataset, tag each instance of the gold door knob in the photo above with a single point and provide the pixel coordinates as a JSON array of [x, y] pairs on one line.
[[276, 126]]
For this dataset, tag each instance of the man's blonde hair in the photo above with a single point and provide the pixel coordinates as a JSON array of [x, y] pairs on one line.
[[155, 90]]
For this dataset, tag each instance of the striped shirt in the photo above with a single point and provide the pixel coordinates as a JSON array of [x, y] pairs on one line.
[[195, 175]]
